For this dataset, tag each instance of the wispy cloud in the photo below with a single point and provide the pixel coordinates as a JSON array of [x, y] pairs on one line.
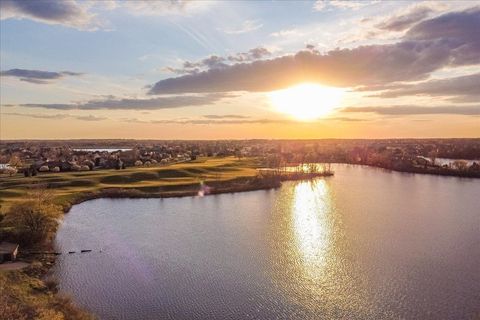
[[226, 116], [55, 116], [239, 121], [161, 8], [245, 27], [320, 5], [293, 32], [405, 20]]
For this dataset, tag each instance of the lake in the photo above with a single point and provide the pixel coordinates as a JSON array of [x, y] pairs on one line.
[[364, 244]]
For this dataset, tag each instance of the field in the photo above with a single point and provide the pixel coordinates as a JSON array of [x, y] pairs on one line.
[[69, 186]]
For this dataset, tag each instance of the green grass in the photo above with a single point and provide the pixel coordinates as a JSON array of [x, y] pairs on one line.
[[67, 186]]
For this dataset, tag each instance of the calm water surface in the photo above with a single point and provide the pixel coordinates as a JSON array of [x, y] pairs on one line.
[[364, 244]]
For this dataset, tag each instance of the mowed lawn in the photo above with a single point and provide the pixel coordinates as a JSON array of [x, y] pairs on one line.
[[154, 179]]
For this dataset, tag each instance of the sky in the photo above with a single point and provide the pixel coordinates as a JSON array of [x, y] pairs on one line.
[[239, 69]]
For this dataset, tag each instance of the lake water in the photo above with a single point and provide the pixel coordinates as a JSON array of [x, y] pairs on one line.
[[363, 244]]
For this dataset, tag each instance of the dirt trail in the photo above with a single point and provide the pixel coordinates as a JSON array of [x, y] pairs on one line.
[[7, 266]]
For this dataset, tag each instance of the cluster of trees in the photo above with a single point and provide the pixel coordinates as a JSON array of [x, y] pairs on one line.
[[32, 221], [11, 166]]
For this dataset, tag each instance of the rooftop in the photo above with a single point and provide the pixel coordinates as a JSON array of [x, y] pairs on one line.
[[7, 247]]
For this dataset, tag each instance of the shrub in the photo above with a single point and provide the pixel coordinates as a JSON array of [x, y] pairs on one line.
[[34, 219]]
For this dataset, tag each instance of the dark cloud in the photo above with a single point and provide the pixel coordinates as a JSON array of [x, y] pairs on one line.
[[55, 116], [459, 24], [446, 41], [37, 116], [65, 12], [405, 21], [414, 110], [462, 87], [217, 62], [37, 76], [458, 31], [210, 62], [252, 55], [189, 67], [112, 103]]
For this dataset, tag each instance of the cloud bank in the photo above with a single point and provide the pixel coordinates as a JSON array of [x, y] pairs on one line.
[[450, 40]]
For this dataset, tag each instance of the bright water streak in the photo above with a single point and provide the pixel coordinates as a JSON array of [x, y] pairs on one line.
[[363, 244]]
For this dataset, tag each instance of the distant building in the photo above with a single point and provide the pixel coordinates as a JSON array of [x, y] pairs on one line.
[[8, 251]]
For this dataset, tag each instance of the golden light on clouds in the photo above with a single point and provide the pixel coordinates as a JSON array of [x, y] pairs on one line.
[[306, 101]]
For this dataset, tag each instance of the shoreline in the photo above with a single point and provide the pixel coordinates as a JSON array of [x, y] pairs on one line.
[[217, 187], [440, 173], [122, 193], [40, 269], [434, 171]]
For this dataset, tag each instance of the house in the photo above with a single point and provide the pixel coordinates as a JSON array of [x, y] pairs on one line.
[[8, 251]]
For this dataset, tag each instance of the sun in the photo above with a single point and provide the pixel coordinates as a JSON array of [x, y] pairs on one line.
[[306, 101]]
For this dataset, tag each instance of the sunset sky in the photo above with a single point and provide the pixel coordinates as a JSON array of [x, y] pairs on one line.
[[220, 70]]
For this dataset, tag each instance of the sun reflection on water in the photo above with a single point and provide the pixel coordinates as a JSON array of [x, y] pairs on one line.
[[311, 207]]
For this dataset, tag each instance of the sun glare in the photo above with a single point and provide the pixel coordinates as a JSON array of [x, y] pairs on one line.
[[306, 101]]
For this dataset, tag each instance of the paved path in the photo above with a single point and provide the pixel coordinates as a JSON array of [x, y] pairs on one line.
[[7, 266]]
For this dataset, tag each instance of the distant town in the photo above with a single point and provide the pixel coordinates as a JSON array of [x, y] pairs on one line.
[[458, 157]]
